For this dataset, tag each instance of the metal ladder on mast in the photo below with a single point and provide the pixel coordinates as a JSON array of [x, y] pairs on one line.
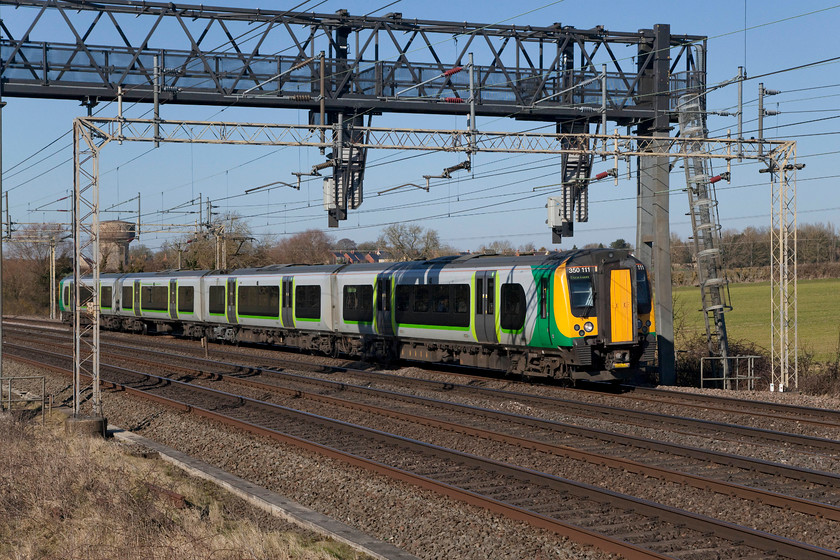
[[705, 224]]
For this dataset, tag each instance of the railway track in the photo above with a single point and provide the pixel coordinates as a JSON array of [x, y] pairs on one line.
[[792, 488], [820, 482], [793, 416], [602, 412], [612, 521]]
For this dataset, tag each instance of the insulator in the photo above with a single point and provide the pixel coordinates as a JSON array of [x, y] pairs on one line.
[[602, 175], [453, 99], [302, 97], [717, 178], [453, 71]]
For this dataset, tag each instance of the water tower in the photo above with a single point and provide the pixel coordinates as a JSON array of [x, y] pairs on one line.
[[114, 237]]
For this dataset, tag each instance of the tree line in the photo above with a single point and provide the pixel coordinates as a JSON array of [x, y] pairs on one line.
[[746, 254], [26, 264]]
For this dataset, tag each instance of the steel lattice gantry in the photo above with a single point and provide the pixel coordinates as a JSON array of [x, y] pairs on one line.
[[268, 58], [368, 60]]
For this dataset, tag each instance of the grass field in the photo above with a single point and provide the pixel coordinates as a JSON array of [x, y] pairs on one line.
[[819, 313]]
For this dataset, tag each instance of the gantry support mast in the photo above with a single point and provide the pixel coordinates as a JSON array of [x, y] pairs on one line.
[[705, 227]]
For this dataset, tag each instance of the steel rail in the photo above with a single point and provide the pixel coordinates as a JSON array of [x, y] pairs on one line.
[[776, 499], [577, 534], [798, 413], [727, 531], [610, 412], [726, 459], [745, 463]]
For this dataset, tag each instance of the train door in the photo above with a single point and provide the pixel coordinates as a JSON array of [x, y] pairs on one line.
[[286, 307], [137, 306], [485, 306], [618, 283], [545, 307], [384, 325], [116, 297], [621, 305], [173, 299], [231, 301]]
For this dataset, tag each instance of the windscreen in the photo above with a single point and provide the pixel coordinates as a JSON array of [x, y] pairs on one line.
[[642, 291], [581, 290]]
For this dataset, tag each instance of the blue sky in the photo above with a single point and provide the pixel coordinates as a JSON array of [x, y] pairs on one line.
[[495, 201]]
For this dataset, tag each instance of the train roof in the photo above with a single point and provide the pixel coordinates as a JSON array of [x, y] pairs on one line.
[[581, 257]]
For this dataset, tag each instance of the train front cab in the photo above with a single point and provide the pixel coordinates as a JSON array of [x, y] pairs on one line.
[[603, 311], [625, 310]]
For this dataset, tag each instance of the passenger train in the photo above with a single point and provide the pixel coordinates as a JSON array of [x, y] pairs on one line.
[[584, 315]]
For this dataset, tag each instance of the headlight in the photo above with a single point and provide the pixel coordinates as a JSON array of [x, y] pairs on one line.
[[577, 328], [639, 323], [588, 326]]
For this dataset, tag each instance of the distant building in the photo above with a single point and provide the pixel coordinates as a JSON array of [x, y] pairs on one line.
[[350, 257]]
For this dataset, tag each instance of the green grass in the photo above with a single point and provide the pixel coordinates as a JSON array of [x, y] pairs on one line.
[[819, 313]]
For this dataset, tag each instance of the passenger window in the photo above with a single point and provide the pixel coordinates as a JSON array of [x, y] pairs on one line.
[[440, 299], [513, 307], [127, 297], [154, 298], [308, 302], [358, 303], [421, 299], [443, 305], [185, 299], [479, 296], [216, 303], [403, 302], [462, 298], [105, 295]]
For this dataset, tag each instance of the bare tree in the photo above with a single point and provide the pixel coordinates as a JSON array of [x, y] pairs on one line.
[[680, 251], [407, 242], [26, 281], [229, 235], [500, 247], [345, 244], [309, 247], [32, 242], [141, 259]]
